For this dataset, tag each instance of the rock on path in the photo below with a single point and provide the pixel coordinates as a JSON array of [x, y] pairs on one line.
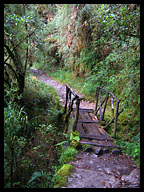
[[104, 171]]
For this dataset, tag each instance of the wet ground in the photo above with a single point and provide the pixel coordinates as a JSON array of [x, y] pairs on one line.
[[103, 169]]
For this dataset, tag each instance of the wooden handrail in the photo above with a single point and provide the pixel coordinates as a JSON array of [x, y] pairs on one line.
[[98, 107], [76, 98], [109, 93], [71, 90], [98, 98]]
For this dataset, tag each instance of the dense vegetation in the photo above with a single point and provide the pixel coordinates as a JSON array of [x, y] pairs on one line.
[[98, 45], [85, 45]]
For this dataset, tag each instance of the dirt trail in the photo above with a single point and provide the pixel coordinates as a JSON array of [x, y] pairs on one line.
[[61, 89], [96, 169]]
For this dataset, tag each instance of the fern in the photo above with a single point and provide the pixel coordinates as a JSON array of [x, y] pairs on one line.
[[37, 175]]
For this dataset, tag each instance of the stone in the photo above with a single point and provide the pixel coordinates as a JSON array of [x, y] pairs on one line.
[[91, 179], [100, 169], [124, 170], [116, 152], [94, 156], [116, 184], [107, 171], [134, 186], [90, 162], [133, 177]]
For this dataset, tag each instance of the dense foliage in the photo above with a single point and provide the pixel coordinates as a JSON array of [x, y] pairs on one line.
[[22, 29], [99, 45], [30, 135], [85, 45]]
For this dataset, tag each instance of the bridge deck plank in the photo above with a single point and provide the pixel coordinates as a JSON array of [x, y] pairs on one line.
[[92, 131], [88, 125]]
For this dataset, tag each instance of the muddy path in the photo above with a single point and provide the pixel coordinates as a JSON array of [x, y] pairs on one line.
[[96, 169]]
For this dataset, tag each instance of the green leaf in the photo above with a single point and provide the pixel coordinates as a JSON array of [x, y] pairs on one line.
[[36, 175], [76, 138], [37, 147], [74, 134], [138, 100], [61, 143], [71, 136]]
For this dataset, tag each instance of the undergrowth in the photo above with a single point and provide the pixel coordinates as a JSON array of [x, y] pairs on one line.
[[68, 151], [31, 132], [131, 148]]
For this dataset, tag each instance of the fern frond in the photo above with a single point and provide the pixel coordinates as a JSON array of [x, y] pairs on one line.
[[35, 175]]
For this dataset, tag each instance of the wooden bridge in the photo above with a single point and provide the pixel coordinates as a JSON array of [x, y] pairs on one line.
[[88, 122]]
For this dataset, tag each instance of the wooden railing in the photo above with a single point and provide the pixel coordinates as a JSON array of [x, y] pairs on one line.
[[99, 104], [71, 97]]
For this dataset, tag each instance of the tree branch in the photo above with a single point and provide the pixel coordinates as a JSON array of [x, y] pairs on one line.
[[27, 36], [11, 69], [10, 54]]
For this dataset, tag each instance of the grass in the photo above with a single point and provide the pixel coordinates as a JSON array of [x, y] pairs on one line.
[[40, 99], [79, 84]]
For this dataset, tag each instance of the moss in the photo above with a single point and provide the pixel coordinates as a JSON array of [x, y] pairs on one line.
[[84, 146], [74, 143], [68, 154], [61, 181], [65, 170], [75, 133], [62, 173]]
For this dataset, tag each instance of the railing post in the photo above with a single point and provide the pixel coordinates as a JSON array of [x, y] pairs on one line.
[[67, 91], [69, 96], [112, 107], [70, 109], [116, 116], [97, 92], [77, 113], [107, 96], [100, 104]]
